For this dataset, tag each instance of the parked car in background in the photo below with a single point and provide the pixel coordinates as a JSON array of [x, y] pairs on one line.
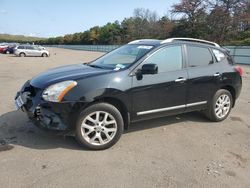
[[3, 46], [142, 80], [9, 49], [30, 50]]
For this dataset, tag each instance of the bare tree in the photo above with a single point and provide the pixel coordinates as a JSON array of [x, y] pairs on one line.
[[191, 18], [226, 18]]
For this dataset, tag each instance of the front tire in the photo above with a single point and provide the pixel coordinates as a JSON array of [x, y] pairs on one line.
[[220, 106], [99, 126]]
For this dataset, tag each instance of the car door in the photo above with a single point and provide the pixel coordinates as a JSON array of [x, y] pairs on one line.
[[29, 51], [204, 76], [37, 51], [162, 93], [34, 51]]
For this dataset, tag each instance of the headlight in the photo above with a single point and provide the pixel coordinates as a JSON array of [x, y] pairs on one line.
[[56, 92]]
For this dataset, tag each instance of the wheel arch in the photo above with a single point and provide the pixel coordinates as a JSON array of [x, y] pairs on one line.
[[22, 53], [120, 106], [44, 53], [78, 107], [231, 90]]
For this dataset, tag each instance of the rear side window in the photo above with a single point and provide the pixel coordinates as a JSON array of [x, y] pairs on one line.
[[29, 48], [20, 47], [167, 59], [199, 56]]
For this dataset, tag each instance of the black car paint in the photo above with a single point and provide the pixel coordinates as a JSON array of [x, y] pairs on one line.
[[123, 89]]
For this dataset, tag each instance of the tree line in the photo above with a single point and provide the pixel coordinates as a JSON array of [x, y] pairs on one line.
[[222, 21], [19, 38]]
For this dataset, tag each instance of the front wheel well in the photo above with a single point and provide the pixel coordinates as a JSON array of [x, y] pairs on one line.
[[232, 91], [113, 101], [120, 106]]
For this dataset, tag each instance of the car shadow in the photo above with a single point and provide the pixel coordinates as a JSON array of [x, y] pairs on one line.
[[17, 129], [15, 56], [166, 121]]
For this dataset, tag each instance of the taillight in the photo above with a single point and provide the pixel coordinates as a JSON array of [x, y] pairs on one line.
[[239, 70]]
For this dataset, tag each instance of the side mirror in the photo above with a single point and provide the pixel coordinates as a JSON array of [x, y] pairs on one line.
[[149, 69], [146, 69]]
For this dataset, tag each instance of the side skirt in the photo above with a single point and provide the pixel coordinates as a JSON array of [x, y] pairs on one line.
[[170, 108]]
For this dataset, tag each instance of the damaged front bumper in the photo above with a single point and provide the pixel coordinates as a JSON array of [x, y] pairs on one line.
[[47, 115]]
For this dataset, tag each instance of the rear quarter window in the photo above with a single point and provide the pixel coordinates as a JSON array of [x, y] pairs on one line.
[[222, 57], [219, 55]]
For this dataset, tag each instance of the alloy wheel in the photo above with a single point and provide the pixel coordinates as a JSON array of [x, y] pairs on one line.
[[98, 128], [222, 106]]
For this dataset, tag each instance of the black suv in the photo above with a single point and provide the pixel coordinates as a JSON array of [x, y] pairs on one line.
[[141, 80]]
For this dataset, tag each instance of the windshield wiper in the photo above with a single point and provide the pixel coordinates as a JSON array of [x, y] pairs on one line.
[[96, 66]]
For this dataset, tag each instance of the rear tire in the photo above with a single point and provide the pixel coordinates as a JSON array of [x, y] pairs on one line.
[[22, 55], [220, 106], [44, 55], [99, 126]]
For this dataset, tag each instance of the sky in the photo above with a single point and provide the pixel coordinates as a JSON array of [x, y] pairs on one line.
[[50, 18]]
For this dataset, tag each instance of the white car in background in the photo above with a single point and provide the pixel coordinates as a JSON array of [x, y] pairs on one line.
[[31, 50]]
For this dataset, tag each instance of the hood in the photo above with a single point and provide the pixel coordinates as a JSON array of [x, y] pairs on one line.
[[71, 72]]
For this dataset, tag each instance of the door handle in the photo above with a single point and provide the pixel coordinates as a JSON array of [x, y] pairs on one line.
[[217, 74], [180, 79]]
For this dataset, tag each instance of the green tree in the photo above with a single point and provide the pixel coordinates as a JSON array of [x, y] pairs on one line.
[[94, 34], [110, 33]]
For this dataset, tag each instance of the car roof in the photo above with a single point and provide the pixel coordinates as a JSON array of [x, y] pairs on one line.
[[175, 40], [25, 45]]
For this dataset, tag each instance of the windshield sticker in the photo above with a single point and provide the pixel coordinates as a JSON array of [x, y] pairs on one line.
[[119, 66], [145, 47], [116, 69]]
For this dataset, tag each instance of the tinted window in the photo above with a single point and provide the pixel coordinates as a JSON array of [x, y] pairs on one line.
[[199, 56], [29, 48], [167, 59]]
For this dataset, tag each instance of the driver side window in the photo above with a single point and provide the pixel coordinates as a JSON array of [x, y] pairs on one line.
[[167, 59]]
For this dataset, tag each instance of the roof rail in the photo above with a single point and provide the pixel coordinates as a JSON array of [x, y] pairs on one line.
[[191, 40], [142, 40]]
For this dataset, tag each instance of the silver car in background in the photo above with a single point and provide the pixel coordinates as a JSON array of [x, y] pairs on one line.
[[31, 50]]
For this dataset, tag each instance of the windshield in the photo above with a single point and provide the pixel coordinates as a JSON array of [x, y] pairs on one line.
[[122, 57]]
